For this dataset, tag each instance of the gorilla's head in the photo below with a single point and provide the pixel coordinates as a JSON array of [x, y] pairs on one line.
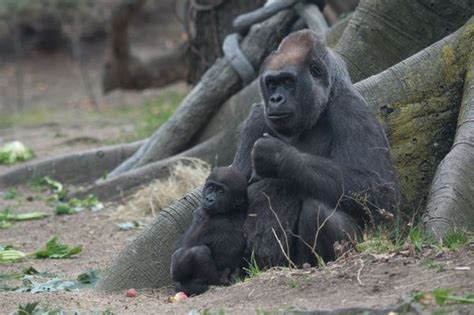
[[297, 82]]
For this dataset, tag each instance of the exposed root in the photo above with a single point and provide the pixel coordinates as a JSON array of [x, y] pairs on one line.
[[77, 167]]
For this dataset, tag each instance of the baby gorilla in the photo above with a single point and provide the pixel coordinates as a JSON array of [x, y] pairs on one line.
[[212, 249]]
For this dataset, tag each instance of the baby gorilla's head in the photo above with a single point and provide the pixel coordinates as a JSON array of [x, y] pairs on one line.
[[225, 191]]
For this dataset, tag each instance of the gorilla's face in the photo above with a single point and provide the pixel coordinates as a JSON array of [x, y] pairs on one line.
[[225, 190], [295, 86]]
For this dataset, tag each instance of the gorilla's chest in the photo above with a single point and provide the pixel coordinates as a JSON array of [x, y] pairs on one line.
[[272, 219]]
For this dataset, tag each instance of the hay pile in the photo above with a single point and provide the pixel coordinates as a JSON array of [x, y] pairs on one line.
[[184, 176]]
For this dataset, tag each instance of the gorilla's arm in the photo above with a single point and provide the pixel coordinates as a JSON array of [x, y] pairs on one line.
[[319, 177]]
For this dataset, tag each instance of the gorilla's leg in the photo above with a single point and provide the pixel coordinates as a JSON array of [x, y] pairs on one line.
[[321, 224], [194, 269]]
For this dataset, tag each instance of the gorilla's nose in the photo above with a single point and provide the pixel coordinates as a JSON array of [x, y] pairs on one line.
[[277, 99], [210, 198]]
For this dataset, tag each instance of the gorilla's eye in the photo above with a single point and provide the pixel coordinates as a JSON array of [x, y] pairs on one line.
[[288, 83], [210, 189], [314, 70], [272, 85]]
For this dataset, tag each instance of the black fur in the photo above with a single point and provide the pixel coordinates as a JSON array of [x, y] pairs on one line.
[[312, 148], [212, 248]]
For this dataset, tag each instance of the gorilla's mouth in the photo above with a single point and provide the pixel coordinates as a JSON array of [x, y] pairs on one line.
[[279, 116]]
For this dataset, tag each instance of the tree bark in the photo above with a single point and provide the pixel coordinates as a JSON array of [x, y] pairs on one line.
[[451, 198], [396, 94], [145, 262], [217, 149], [382, 33], [418, 103]]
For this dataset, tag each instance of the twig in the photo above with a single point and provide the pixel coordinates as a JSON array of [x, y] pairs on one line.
[[359, 271], [283, 250], [286, 254]]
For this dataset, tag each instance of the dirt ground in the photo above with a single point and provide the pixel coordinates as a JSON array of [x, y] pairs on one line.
[[357, 281]]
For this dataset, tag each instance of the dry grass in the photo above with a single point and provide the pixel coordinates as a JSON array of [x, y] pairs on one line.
[[184, 176]]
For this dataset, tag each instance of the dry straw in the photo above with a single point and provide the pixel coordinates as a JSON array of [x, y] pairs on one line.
[[184, 176]]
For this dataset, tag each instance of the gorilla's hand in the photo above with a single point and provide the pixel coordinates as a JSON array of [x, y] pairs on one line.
[[267, 154]]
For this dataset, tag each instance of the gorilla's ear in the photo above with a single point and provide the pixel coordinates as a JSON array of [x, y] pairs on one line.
[[314, 70]]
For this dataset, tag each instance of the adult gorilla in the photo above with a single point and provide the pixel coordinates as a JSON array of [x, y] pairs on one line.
[[315, 155]]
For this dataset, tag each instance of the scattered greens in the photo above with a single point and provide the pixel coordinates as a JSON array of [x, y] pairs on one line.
[[442, 296], [13, 152], [56, 188], [33, 309], [7, 215], [8, 254], [76, 205], [53, 285], [28, 309], [72, 206], [56, 250], [89, 277], [36, 282], [10, 194], [130, 225]]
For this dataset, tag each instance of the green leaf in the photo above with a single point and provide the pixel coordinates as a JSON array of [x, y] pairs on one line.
[[10, 194], [89, 277], [30, 216], [56, 250], [54, 185], [64, 208], [28, 309], [11, 255], [441, 294], [7, 215], [76, 205], [127, 226], [13, 152], [53, 285]]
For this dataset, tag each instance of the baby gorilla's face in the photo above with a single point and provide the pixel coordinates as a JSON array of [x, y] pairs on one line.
[[216, 198], [225, 191]]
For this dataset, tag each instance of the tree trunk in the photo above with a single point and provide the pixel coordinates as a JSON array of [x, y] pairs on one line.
[[207, 25], [418, 103], [382, 33], [123, 70], [451, 198], [396, 94]]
